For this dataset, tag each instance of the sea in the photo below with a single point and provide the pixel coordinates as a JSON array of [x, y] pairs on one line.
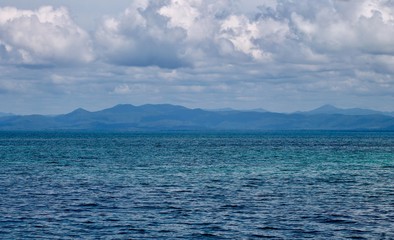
[[197, 185]]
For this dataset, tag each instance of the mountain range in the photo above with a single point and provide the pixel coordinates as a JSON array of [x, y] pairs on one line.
[[166, 117], [330, 109], [5, 114]]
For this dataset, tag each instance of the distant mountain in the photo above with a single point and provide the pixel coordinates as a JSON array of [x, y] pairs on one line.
[[257, 110], [165, 117], [329, 109], [221, 110], [5, 114], [232, 109]]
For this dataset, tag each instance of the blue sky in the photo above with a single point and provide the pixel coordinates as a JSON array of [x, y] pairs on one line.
[[282, 56]]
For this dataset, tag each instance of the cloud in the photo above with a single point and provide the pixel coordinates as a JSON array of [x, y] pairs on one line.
[[41, 37], [194, 33], [206, 52], [173, 34], [359, 27], [140, 37]]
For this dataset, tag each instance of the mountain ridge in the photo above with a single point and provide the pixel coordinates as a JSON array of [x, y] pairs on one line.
[[2, 114], [331, 109], [163, 117]]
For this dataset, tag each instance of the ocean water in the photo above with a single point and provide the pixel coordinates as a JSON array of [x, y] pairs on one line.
[[279, 185]]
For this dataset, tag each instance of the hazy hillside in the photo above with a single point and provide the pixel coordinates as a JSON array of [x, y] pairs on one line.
[[329, 109], [5, 114], [163, 117]]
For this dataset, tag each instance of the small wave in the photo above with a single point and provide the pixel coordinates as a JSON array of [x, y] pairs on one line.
[[88, 205]]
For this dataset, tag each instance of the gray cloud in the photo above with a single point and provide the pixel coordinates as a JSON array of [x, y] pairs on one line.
[[140, 37]]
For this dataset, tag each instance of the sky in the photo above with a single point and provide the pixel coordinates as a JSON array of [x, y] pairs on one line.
[[283, 56]]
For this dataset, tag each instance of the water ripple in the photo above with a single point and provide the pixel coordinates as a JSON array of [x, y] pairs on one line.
[[206, 186]]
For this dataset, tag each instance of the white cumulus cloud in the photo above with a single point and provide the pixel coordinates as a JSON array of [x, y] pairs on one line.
[[140, 37], [43, 36]]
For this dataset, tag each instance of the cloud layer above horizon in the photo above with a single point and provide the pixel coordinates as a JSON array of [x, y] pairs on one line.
[[282, 55]]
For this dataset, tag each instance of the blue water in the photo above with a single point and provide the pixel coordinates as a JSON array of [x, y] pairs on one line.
[[284, 185]]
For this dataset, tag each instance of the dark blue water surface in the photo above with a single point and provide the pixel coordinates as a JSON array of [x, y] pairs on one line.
[[289, 185]]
